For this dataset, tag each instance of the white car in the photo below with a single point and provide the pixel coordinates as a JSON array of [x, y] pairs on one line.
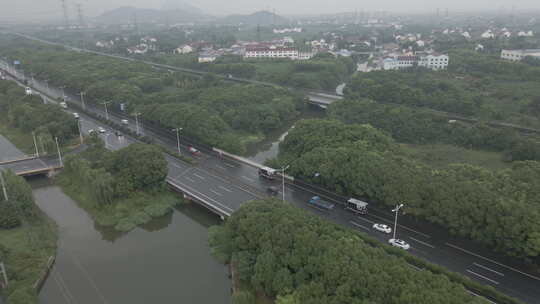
[[76, 115], [101, 130], [125, 122], [28, 91], [382, 228], [91, 131], [399, 243]]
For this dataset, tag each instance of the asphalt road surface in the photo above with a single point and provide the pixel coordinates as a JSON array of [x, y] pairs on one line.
[[228, 184]]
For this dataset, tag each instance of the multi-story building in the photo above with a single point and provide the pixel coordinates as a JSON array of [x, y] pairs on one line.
[[430, 61], [434, 61], [271, 52], [518, 55]]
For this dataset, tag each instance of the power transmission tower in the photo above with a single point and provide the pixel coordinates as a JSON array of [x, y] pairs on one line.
[[80, 14], [64, 9]]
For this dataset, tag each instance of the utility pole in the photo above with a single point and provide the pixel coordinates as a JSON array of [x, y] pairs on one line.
[[35, 143], [137, 122], [82, 100], [396, 210], [105, 103], [177, 139], [59, 154]]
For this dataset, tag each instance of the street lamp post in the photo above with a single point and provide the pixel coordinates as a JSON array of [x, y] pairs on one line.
[[35, 143], [80, 132], [396, 210], [283, 181], [47, 84], [3, 186], [106, 112], [63, 93], [59, 154], [137, 121], [178, 139], [82, 100]]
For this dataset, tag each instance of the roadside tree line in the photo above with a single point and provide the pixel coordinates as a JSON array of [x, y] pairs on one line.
[[499, 209], [293, 257]]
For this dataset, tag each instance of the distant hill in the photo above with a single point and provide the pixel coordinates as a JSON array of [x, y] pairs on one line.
[[258, 18], [171, 5], [127, 14]]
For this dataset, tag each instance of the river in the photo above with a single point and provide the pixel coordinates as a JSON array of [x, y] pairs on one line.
[[165, 261], [269, 148]]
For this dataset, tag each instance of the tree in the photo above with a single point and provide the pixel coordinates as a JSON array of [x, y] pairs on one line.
[[137, 167]]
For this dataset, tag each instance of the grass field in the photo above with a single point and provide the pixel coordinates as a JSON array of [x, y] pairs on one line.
[[440, 155]]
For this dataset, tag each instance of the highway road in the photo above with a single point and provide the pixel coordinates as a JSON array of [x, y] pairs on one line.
[[228, 184]]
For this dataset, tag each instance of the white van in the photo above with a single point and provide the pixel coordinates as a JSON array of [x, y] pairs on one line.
[[28, 91], [357, 206], [267, 172]]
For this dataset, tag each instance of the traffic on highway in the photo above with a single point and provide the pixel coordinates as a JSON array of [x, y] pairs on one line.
[[228, 182]]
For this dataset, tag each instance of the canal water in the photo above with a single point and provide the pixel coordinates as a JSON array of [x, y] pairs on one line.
[[269, 148], [165, 261], [8, 151]]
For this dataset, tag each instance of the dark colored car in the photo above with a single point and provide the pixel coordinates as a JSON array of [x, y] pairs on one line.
[[272, 190]]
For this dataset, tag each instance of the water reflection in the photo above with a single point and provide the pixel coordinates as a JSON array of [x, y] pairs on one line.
[[165, 261]]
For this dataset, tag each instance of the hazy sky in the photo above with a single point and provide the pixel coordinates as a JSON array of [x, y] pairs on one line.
[[10, 9]]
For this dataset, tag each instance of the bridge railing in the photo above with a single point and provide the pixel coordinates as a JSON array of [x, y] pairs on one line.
[[198, 198], [18, 159]]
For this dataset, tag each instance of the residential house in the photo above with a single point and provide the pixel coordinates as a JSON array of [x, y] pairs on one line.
[[184, 49], [518, 55]]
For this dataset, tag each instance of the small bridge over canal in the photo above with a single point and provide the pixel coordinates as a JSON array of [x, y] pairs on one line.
[[32, 165]]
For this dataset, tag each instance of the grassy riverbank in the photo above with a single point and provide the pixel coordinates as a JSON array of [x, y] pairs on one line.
[[27, 241], [120, 189], [123, 214], [25, 251]]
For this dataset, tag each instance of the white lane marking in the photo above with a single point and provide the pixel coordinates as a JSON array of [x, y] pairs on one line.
[[364, 219], [488, 269], [359, 226], [423, 243], [204, 195], [404, 227], [221, 167], [197, 175], [248, 178], [477, 295], [177, 166], [223, 188], [216, 193], [483, 277], [229, 165], [190, 179], [494, 262]]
